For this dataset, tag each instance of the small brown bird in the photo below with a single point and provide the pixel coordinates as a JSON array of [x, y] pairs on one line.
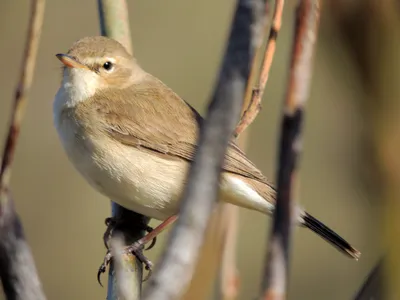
[[133, 139]]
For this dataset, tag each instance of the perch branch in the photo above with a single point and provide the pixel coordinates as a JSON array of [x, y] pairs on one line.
[[17, 267], [122, 290], [114, 23], [176, 265], [252, 103], [285, 215]]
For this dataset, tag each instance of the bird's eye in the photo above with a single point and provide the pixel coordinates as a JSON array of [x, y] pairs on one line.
[[108, 66]]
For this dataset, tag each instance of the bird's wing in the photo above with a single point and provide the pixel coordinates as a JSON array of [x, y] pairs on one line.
[[156, 119]]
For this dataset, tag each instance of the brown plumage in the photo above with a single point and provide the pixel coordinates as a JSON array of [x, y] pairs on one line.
[[133, 138], [150, 116]]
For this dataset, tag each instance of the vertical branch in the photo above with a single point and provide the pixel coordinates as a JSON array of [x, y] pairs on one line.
[[23, 89], [122, 290], [17, 268], [114, 23], [285, 214], [176, 266]]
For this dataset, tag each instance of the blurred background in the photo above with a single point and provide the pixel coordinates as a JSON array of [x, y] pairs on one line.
[[181, 42]]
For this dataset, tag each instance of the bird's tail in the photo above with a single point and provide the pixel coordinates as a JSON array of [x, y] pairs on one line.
[[330, 236]]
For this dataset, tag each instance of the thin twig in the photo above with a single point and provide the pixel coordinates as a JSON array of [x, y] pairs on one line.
[[285, 215], [252, 103], [23, 89], [114, 23], [176, 265], [17, 267]]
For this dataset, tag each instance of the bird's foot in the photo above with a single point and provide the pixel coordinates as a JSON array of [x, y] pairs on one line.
[[135, 249]]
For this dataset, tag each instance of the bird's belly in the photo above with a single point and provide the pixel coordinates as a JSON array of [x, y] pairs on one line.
[[137, 180]]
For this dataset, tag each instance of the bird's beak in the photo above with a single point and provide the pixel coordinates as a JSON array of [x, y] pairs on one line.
[[70, 62]]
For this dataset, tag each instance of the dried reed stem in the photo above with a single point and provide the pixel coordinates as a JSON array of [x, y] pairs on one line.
[[17, 268], [285, 215], [252, 103]]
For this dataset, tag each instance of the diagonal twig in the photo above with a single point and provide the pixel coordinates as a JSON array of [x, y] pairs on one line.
[[176, 265], [274, 284], [114, 23], [252, 102], [17, 268]]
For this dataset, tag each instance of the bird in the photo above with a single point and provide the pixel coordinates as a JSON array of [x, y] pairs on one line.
[[132, 138]]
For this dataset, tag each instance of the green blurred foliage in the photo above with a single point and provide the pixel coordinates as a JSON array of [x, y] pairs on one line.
[[181, 43]]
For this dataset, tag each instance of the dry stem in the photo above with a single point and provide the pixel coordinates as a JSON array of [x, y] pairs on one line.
[[17, 268], [252, 102], [285, 215]]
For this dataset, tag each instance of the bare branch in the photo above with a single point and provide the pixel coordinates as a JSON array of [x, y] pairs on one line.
[[17, 268], [122, 265], [176, 266], [114, 23], [286, 215], [130, 229], [23, 89], [252, 103]]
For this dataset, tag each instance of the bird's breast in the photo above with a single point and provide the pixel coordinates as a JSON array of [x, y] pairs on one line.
[[136, 179]]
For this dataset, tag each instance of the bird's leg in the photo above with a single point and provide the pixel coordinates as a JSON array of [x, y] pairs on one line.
[[114, 223], [137, 247]]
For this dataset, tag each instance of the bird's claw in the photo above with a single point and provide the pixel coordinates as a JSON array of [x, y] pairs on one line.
[[103, 266], [153, 241], [137, 250]]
